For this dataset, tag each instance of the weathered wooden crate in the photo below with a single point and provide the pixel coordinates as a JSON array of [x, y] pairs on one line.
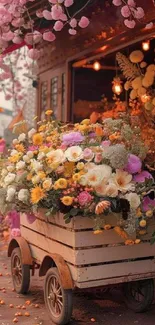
[[94, 260]]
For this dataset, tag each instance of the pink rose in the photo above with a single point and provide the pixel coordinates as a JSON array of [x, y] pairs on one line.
[[98, 158], [88, 154], [84, 198], [15, 232]]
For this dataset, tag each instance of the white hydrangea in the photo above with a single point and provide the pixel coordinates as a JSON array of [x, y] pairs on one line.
[[133, 199], [31, 133], [15, 141], [26, 158], [36, 165], [30, 154], [41, 155], [10, 168], [13, 152], [9, 179], [22, 137], [4, 172], [10, 194], [20, 165], [23, 195]]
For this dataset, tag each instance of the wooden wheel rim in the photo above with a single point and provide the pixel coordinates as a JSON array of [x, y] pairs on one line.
[[54, 296], [17, 270]]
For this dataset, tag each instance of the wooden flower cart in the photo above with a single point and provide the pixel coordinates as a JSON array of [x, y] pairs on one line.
[[70, 256]]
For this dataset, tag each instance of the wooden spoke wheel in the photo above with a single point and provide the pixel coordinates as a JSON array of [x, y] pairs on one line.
[[20, 272], [59, 302], [139, 295]]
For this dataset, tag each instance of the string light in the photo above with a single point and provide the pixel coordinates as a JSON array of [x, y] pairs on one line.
[[146, 45], [96, 66], [117, 87]]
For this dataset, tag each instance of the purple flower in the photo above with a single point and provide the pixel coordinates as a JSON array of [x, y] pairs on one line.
[[72, 138], [148, 203], [30, 217], [13, 218], [134, 164], [140, 178]]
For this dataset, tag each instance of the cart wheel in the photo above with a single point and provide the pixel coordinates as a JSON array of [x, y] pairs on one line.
[[20, 272], [59, 302], [139, 295]]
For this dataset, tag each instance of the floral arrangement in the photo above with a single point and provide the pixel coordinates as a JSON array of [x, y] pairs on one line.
[[85, 169], [140, 79]]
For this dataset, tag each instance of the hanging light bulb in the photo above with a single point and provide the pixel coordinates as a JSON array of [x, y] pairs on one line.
[[146, 45], [96, 66], [117, 87]]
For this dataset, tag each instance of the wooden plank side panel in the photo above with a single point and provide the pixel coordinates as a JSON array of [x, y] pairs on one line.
[[71, 238], [86, 274], [78, 222], [48, 245], [112, 281], [57, 233], [109, 254]]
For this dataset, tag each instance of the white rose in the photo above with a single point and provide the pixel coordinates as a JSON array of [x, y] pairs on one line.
[[35, 179], [41, 155], [30, 154], [26, 158], [74, 153], [15, 141], [14, 152], [4, 172], [10, 194], [9, 179], [10, 168], [31, 133], [20, 165], [133, 199], [36, 165], [22, 137], [23, 195]]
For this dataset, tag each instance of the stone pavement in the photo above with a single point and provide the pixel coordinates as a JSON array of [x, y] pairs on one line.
[[87, 308]]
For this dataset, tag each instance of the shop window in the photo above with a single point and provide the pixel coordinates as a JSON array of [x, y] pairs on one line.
[[54, 94], [43, 96], [63, 97]]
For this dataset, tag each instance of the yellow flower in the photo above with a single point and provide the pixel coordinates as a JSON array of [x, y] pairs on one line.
[[76, 177], [20, 148], [49, 112], [15, 158], [37, 194], [121, 232], [55, 186], [86, 121], [98, 231], [107, 227], [138, 213], [142, 223], [42, 128], [129, 242], [41, 174], [69, 168], [47, 184], [37, 139], [62, 183], [142, 232], [83, 127], [137, 241], [29, 177], [149, 213], [67, 200], [80, 166]]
